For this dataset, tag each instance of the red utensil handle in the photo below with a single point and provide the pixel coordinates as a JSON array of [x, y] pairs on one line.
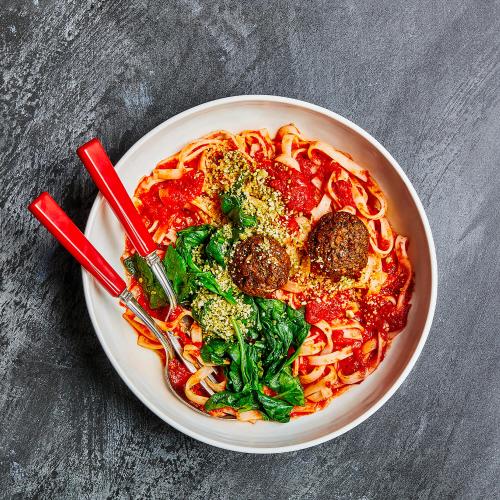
[[101, 169], [53, 217]]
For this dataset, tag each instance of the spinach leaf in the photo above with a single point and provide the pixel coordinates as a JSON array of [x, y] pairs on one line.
[[279, 338], [282, 328], [277, 333], [188, 287], [175, 268], [187, 240], [271, 309], [217, 247], [275, 409], [249, 358], [234, 377], [183, 281], [245, 373], [240, 401], [300, 330], [138, 267], [287, 387], [252, 322], [233, 373], [190, 238], [185, 274], [214, 351], [232, 205], [254, 366], [129, 264]]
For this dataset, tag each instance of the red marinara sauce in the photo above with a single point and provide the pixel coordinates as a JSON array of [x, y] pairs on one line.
[[165, 201], [178, 374], [298, 193], [328, 310]]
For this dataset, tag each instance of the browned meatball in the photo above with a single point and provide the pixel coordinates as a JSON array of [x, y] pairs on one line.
[[259, 266], [338, 245]]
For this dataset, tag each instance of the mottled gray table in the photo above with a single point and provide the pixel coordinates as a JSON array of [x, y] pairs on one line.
[[421, 76]]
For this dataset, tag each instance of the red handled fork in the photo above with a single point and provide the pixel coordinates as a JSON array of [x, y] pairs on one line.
[[52, 216], [99, 166]]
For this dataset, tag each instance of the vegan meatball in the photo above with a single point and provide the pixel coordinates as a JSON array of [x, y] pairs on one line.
[[338, 245], [259, 266]]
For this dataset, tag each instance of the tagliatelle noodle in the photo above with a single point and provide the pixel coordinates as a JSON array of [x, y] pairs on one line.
[[194, 380]]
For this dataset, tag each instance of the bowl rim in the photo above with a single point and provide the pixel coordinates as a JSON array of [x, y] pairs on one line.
[[433, 264]]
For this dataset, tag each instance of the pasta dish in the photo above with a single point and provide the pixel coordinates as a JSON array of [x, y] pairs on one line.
[[291, 280]]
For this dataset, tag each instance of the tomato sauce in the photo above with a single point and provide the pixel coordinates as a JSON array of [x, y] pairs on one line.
[[268, 391], [352, 363], [328, 310], [343, 191], [178, 374], [176, 193], [385, 317], [308, 167], [184, 218], [319, 335], [319, 165], [292, 224], [183, 338], [152, 208], [298, 193], [166, 200], [304, 366]]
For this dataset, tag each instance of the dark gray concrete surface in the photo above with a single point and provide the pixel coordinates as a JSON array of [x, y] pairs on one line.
[[421, 76]]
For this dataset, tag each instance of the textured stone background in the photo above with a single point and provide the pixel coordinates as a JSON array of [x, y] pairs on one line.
[[422, 77]]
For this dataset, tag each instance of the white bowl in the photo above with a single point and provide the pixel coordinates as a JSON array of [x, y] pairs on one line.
[[141, 369]]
